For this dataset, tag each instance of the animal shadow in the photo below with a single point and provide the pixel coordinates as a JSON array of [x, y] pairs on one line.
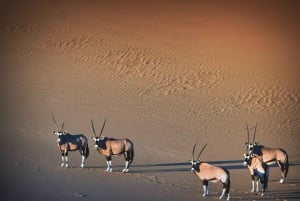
[[285, 194], [182, 166]]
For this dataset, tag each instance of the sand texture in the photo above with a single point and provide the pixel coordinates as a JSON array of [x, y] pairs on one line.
[[163, 74]]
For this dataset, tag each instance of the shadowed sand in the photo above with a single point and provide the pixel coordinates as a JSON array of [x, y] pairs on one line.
[[164, 75]]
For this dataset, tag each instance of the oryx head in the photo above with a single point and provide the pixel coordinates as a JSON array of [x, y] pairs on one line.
[[195, 162], [247, 159], [58, 132], [96, 138], [250, 145]]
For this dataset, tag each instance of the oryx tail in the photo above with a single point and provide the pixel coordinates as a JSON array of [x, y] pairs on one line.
[[227, 185], [284, 165], [129, 150]]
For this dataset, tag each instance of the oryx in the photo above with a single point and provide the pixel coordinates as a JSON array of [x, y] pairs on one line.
[[207, 172], [67, 142], [111, 146], [259, 171], [269, 155]]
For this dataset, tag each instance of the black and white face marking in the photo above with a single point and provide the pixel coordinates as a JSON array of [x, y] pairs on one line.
[[247, 159], [194, 165], [250, 146], [59, 135], [96, 141], [59, 132]]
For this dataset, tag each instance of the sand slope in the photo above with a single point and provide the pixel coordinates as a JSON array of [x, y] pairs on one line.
[[164, 75]]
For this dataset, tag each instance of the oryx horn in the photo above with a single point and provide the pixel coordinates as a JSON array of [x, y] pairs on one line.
[[201, 151], [254, 134], [54, 122], [93, 128], [62, 127], [102, 127], [194, 151], [248, 133]]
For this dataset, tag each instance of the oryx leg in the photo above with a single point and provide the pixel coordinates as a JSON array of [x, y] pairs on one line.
[[125, 170], [82, 161], [127, 162], [82, 158], [263, 190], [264, 183], [223, 192], [257, 188], [282, 168], [254, 180], [226, 184], [205, 188], [108, 162], [253, 183], [64, 159]]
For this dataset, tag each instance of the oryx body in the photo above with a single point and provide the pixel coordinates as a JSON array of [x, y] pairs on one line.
[[110, 146], [207, 172], [270, 155], [259, 171], [67, 142]]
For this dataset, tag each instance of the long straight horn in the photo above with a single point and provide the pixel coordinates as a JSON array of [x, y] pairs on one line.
[[62, 127], [248, 133], [194, 151], [93, 128], [201, 151], [54, 122], [254, 134], [102, 127]]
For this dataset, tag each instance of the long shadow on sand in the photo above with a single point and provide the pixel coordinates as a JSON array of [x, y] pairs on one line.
[[182, 166], [285, 194], [185, 166]]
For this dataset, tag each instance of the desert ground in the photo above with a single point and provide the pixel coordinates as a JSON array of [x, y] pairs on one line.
[[164, 74]]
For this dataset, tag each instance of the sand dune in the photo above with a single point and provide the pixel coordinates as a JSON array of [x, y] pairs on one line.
[[164, 74]]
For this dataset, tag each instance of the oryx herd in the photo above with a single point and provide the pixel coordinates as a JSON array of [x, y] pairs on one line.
[[257, 158], [104, 145]]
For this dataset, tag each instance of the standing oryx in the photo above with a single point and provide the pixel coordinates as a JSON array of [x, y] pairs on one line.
[[110, 146], [207, 172], [269, 155], [258, 171], [67, 142]]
